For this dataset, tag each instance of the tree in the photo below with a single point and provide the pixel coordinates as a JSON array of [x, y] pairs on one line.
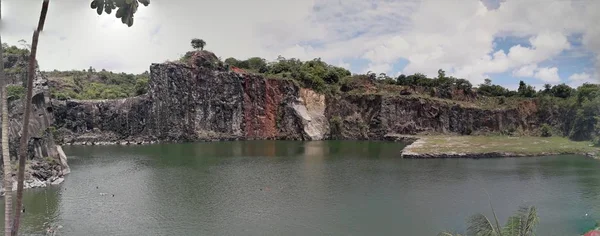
[[487, 82], [198, 44], [561, 91], [441, 74], [5, 148], [401, 80], [525, 90], [25, 129], [125, 11]]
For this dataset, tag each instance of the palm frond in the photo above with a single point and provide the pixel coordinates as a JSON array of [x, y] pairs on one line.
[[448, 234], [498, 229], [513, 226], [480, 225], [530, 219], [522, 223]]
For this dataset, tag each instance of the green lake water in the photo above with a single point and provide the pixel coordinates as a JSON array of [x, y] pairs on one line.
[[304, 188]]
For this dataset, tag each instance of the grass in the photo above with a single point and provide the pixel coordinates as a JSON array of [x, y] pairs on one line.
[[526, 145]]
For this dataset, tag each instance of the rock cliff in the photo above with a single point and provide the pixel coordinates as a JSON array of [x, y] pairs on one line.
[[203, 100], [47, 161], [374, 116]]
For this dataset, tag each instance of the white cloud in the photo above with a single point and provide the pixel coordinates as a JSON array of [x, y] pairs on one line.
[[546, 74], [379, 32], [343, 64], [525, 71], [378, 68], [580, 77], [549, 75]]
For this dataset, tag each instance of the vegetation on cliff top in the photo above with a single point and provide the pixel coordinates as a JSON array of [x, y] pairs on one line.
[[91, 84], [579, 107]]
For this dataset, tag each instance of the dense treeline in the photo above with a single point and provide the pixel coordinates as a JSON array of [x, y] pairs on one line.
[[89, 84], [15, 63], [315, 74]]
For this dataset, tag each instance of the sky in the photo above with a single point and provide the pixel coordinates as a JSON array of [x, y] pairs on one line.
[[537, 41]]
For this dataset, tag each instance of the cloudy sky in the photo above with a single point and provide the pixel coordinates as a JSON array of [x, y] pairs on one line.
[[538, 41]]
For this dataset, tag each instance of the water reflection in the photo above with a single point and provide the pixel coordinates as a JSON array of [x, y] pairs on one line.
[[286, 187]]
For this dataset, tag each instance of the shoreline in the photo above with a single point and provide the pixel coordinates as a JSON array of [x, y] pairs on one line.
[[455, 146], [429, 146]]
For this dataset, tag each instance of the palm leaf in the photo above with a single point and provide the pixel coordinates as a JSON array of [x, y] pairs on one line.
[[522, 223], [530, 219], [448, 234], [480, 225]]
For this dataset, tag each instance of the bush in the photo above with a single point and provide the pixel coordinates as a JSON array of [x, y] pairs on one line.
[[15, 91], [546, 130]]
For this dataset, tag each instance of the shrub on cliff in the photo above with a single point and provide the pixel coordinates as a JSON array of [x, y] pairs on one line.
[[15, 91], [489, 89], [96, 85], [546, 130], [526, 90], [314, 74]]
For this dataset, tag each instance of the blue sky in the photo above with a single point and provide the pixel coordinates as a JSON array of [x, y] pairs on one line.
[[554, 41]]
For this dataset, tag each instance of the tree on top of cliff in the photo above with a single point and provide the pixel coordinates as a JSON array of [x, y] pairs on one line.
[[198, 43], [125, 11], [525, 90]]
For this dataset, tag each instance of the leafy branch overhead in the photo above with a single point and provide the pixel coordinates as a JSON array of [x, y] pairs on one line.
[[125, 8]]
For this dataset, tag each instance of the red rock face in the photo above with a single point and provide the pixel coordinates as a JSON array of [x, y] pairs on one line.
[[262, 99]]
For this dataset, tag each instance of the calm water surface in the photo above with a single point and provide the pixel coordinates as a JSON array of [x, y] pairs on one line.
[[304, 188]]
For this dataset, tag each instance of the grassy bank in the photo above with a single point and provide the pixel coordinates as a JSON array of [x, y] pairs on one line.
[[474, 146]]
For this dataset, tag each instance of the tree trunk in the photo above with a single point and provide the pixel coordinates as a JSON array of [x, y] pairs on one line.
[[5, 152], [25, 130]]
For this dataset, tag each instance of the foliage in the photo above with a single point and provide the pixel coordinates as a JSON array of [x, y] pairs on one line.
[[255, 64], [522, 223], [525, 90], [96, 85], [198, 43], [315, 74], [443, 86], [489, 89], [125, 11], [587, 119], [14, 50], [546, 130], [15, 91]]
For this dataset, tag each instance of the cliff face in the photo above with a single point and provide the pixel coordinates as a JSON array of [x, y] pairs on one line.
[[202, 100], [374, 116], [41, 144], [197, 101]]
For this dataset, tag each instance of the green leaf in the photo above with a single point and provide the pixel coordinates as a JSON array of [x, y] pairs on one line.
[[100, 9], [130, 22], [144, 2], [108, 10], [120, 12], [94, 4]]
